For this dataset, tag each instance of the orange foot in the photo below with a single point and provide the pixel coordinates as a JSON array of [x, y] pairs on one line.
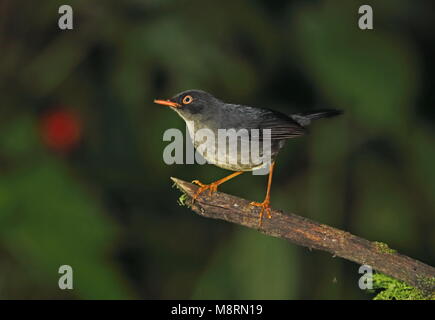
[[265, 206], [212, 187]]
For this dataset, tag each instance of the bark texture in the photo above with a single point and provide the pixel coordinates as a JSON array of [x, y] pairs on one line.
[[311, 234]]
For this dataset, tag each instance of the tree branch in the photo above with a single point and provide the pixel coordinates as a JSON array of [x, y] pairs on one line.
[[311, 234]]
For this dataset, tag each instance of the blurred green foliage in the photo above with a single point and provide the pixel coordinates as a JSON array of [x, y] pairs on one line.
[[105, 205]]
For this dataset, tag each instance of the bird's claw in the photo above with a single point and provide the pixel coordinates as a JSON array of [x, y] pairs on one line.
[[265, 206], [212, 187]]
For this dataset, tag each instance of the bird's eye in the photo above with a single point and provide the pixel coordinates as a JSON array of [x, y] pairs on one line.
[[187, 99]]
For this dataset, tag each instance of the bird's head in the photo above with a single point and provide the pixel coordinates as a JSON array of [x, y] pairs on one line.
[[192, 104]]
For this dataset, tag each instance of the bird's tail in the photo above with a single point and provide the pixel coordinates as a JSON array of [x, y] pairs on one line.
[[305, 118]]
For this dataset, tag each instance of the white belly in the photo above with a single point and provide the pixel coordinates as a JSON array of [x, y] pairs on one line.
[[206, 144]]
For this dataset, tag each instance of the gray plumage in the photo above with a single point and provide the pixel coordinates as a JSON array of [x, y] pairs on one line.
[[206, 111]]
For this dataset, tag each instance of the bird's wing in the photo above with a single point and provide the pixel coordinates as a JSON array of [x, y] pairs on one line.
[[281, 126]]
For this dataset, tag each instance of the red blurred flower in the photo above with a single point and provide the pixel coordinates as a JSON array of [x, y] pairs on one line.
[[61, 129]]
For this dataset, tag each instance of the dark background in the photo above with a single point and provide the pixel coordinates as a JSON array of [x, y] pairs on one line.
[[83, 182]]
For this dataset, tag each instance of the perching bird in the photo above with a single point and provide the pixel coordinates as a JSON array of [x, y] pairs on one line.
[[201, 110]]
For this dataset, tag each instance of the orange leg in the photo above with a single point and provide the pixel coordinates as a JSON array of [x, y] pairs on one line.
[[265, 205], [212, 187]]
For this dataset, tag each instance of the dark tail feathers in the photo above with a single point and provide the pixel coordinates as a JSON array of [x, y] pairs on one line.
[[305, 118]]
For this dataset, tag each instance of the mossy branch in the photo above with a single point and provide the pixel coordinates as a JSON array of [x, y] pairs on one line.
[[311, 234]]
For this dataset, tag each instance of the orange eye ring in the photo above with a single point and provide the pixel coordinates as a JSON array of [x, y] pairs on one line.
[[187, 99]]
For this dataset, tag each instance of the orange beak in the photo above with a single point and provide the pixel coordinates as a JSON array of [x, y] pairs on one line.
[[167, 103]]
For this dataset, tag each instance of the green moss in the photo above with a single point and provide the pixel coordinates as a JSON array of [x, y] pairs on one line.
[[429, 282], [174, 185], [428, 285], [182, 199], [392, 289], [383, 247]]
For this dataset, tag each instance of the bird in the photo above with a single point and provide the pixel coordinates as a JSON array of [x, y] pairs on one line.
[[201, 110]]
